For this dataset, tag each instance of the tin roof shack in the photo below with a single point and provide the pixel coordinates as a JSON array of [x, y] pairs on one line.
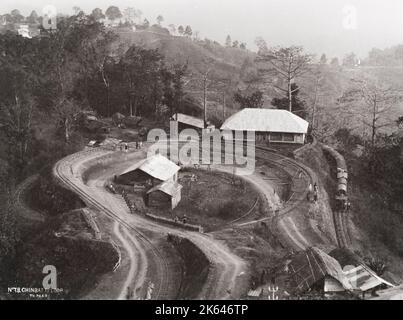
[[361, 277], [337, 272], [165, 195], [269, 125], [313, 269], [152, 170]]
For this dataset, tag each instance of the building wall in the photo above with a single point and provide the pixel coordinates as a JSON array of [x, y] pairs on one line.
[[159, 199], [278, 137]]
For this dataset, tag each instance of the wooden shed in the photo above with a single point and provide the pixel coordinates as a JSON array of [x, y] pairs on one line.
[[152, 170], [164, 195]]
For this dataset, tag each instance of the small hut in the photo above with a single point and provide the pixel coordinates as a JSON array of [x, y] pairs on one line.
[[152, 170], [164, 195]]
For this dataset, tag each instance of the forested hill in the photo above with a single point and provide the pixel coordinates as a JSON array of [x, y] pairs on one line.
[[201, 55]]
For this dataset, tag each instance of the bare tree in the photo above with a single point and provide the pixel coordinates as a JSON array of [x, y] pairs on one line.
[[287, 64], [372, 102], [16, 124], [66, 112], [130, 15]]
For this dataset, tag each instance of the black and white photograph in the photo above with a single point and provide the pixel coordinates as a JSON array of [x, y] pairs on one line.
[[228, 152]]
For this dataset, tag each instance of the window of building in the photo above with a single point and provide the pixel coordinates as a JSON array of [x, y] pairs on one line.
[[289, 137], [275, 136]]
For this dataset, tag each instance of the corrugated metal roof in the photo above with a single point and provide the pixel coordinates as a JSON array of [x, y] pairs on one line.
[[357, 272], [168, 187], [266, 120], [363, 278], [313, 265], [156, 166], [189, 120]]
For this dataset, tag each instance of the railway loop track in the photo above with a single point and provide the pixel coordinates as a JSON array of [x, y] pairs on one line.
[[225, 266], [63, 171]]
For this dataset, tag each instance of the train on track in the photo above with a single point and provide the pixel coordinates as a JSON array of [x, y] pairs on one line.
[[341, 197]]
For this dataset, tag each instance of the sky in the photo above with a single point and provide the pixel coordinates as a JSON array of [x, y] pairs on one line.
[[334, 27]]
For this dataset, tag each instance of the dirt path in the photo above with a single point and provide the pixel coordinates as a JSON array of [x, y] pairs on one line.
[[23, 210], [137, 261], [226, 268]]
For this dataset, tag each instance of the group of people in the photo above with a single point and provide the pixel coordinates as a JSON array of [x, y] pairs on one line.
[[184, 219], [313, 192], [125, 147]]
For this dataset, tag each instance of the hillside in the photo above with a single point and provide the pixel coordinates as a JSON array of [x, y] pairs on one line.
[[200, 55], [229, 68]]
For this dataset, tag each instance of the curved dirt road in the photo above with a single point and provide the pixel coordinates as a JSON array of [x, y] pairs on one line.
[[225, 268]]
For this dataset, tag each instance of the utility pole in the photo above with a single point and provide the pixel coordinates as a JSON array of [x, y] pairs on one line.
[[205, 80], [223, 106]]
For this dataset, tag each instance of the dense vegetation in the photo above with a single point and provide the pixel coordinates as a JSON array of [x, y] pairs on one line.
[[92, 64]]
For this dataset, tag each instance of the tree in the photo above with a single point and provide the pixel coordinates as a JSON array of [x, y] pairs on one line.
[[97, 14], [33, 17], [141, 79], [323, 59], [146, 23], [130, 14], [9, 234], [228, 41], [172, 29], [188, 31], [287, 64], [261, 45], [350, 60], [335, 62], [16, 125], [196, 36], [299, 106], [253, 100], [16, 16], [174, 93], [113, 13], [181, 30], [242, 46], [371, 102], [19, 78], [76, 10], [66, 112], [160, 18], [235, 44]]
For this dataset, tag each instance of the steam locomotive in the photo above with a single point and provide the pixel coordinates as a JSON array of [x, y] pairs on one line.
[[342, 179]]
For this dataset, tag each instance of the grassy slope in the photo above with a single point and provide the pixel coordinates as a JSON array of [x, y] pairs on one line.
[[224, 63]]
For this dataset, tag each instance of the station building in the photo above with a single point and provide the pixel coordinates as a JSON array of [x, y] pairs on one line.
[[269, 125]]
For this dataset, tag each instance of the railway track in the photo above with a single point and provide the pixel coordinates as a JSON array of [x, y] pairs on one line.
[[339, 216], [340, 224], [300, 176], [59, 170]]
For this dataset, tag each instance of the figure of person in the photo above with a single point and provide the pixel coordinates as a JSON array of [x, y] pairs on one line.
[[308, 196], [184, 219]]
